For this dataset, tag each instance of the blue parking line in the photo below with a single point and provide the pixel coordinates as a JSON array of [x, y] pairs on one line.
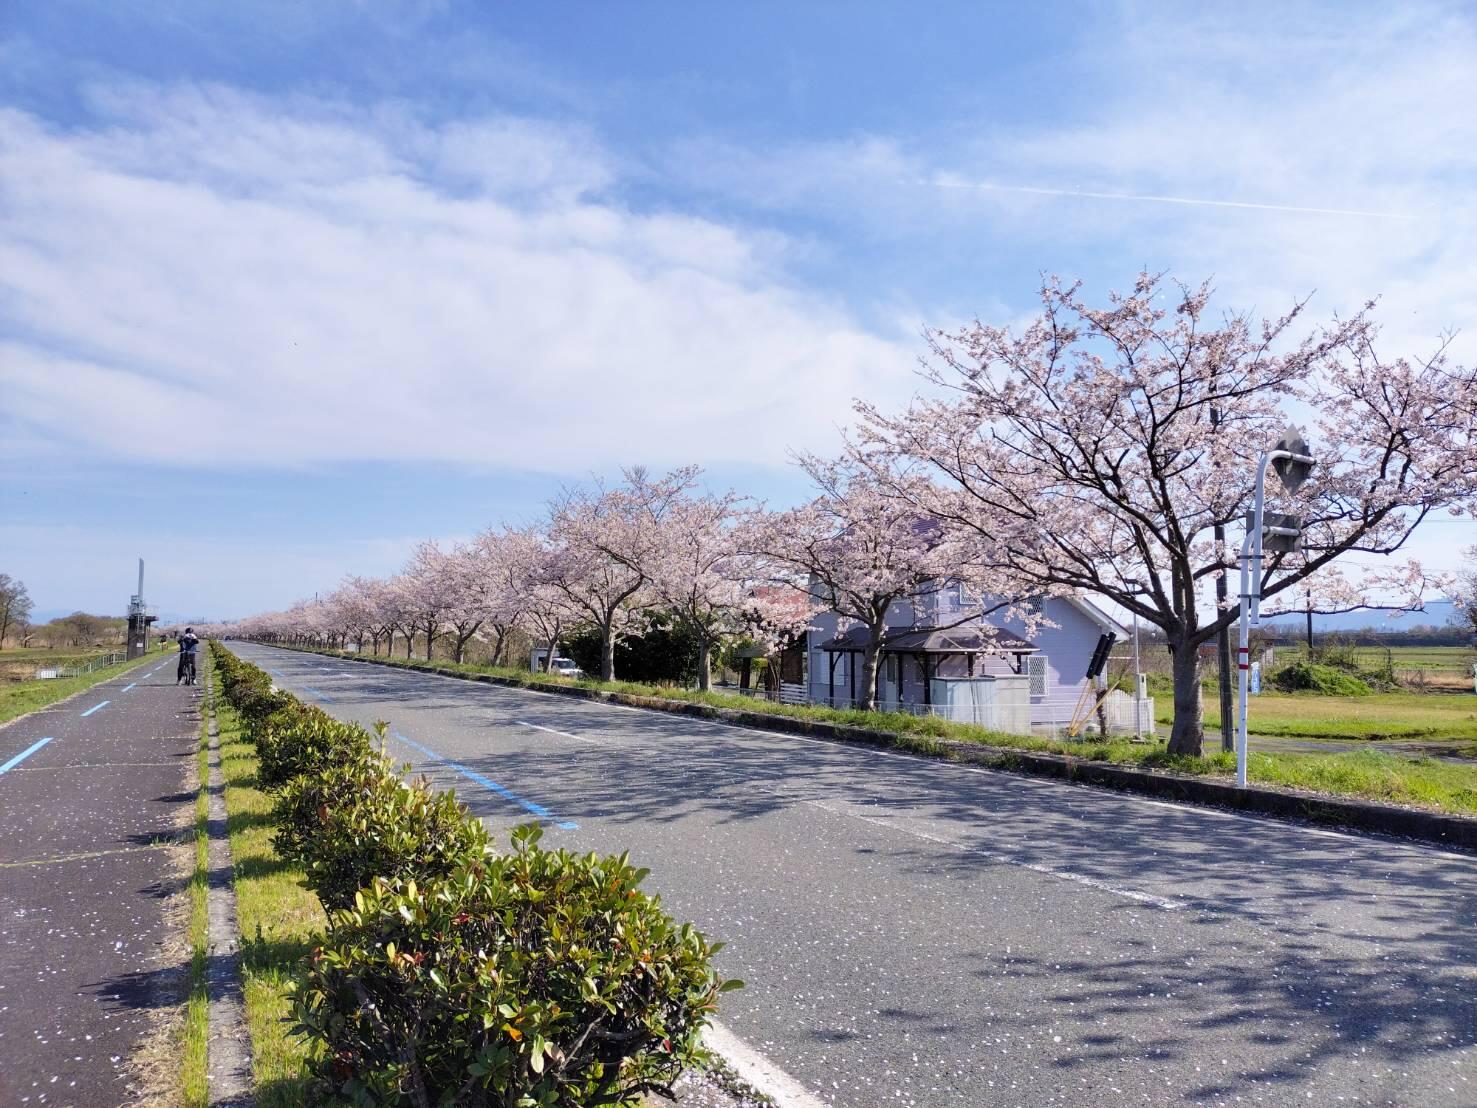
[[24, 754], [132, 686], [97, 707], [318, 695], [488, 783]]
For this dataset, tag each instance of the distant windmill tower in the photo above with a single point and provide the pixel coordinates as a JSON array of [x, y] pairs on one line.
[[139, 618]]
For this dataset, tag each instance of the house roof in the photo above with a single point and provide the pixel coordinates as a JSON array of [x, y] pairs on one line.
[[1097, 615], [964, 639]]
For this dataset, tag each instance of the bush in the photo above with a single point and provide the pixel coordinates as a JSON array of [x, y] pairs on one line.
[[353, 822], [1312, 677], [532, 978], [303, 739]]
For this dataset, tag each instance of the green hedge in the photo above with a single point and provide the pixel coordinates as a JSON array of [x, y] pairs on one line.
[[451, 974]]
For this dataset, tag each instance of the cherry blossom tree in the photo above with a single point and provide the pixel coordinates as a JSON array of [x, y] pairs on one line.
[[861, 550], [605, 542], [1463, 588], [696, 571], [502, 563], [544, 609], [1080, 453]]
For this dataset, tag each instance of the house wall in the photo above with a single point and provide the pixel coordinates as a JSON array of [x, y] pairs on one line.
[[1067, 646]]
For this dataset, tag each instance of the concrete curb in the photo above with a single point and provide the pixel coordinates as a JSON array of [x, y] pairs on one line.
[[228, 1043], [1331, 811]]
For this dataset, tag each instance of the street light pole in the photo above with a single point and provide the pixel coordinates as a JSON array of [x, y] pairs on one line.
[[1292, 452]]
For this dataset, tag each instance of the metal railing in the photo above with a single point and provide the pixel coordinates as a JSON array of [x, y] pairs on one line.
[[77, 669]]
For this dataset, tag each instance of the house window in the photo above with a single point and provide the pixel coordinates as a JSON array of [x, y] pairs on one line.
[[1036, 671]]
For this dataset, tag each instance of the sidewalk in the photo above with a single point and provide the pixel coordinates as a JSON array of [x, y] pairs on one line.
[[93, 793]]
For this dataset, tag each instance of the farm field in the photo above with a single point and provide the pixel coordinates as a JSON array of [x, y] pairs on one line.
[[1436, 663], [1393, 715]]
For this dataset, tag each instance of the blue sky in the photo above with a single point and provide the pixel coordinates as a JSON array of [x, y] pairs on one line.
[[287, 287]]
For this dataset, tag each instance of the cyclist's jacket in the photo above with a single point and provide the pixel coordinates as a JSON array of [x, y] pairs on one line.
[[188, 644]]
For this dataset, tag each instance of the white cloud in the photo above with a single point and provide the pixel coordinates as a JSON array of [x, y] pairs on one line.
[[263, 282], [1281, 150]]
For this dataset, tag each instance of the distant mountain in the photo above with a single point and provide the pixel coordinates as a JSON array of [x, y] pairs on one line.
[[1437, 613]]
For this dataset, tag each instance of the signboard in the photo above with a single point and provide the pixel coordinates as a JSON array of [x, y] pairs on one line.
[[1256, 678]]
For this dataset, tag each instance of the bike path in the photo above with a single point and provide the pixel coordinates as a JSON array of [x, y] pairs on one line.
[[92, 790]]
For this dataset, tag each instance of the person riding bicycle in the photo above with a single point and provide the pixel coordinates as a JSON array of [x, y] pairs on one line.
[[188, 646]]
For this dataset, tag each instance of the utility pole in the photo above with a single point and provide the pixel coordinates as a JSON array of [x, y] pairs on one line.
[[1223, 638], [1308, 596]]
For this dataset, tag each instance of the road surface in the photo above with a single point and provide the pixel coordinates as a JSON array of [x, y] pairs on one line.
[[92, 791], [919, 933]]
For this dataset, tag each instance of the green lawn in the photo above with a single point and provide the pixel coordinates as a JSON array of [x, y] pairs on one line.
[[1393, 715], [19, 697], [277, 915], [1453, 659]]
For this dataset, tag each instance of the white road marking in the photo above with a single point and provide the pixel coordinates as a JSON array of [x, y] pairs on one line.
[[556, 731], [758, 1070], [1164, 902], [1040, 784]]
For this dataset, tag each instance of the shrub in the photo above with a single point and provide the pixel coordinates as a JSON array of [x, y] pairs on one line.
[[356, 821], [303, 739], [533, 978], [1312, 677]]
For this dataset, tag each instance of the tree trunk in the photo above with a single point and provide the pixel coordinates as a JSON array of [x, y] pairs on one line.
[[870, 657], [498, 641], [704, 665], [607, 656], [1188, 732], [409, 642]]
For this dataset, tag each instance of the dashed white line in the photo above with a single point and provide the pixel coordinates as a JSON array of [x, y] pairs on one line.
[[556, 731], [1168, 904]]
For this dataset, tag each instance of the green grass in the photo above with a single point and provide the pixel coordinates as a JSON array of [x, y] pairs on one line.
[[197, 1008], [18, 698], [277, 915], [1374, 775], [1392, 715], [60, 653], [1453, 659]]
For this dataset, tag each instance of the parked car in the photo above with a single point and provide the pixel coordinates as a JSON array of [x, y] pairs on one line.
[[565, 667]]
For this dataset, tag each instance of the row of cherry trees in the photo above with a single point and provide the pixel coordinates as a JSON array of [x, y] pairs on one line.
[[1095, 451], [604, 559]]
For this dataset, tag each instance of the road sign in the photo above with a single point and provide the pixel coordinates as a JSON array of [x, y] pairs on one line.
[[1293, 471], [1282, 532]]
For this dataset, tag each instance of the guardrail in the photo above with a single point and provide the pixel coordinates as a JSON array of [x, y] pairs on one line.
[[101, 661]]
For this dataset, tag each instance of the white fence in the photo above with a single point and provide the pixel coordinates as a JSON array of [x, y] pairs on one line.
[[788, 694]]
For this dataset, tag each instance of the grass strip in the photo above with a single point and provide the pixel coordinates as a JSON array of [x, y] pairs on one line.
[[1414, 781], [19, 697], [197, 1005], [277, 915]]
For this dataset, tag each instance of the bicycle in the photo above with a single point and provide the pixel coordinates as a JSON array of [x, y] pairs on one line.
[[186, 669]]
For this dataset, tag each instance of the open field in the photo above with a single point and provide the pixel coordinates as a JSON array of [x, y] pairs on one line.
[[19, 697], [1393, 715]]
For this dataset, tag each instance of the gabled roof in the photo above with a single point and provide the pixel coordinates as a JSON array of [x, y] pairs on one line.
[[964, 639], [1097, 615]]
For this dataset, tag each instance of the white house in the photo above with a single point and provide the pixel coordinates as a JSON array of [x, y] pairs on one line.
[[936, 659]]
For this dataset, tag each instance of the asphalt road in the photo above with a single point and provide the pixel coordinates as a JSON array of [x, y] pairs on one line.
[[913, 932], [91, 791]]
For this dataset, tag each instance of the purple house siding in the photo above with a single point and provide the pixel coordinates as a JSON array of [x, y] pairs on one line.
[[1066, 649]]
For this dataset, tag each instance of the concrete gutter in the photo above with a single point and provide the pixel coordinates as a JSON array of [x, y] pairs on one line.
[[1320, 808]]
